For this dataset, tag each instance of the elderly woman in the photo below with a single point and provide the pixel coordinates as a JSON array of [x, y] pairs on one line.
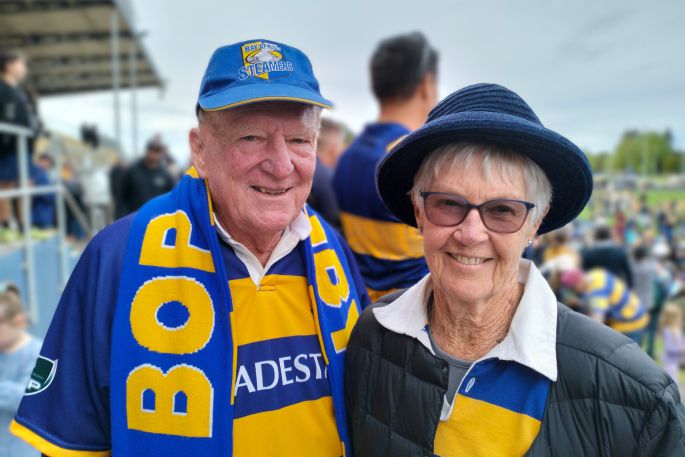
[[478, 358]]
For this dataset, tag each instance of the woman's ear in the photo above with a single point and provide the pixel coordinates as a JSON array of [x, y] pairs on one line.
[[534, 229], [418, 213]]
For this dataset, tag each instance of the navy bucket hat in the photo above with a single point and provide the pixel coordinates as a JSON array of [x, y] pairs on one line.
[[256, 71], [489, 114]]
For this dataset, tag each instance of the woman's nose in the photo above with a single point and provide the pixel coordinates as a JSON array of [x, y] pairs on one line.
[[471, 230]]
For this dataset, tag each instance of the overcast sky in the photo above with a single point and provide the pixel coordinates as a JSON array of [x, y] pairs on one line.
[[590, 69]]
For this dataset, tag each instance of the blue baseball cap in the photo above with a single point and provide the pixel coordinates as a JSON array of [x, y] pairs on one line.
[[257, 71]]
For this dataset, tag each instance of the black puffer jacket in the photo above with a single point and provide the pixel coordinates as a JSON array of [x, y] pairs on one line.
[[610, 398]]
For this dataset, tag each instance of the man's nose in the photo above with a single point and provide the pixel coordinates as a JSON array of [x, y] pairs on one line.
[[278, 162]]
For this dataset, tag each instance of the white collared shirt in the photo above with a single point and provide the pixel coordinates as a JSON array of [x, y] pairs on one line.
[[531, 340], [298, 230]]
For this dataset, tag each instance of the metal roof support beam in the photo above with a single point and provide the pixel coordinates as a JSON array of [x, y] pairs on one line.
[[95, 87], [83, 76], [9, 6], [79, 59], [133, 84], [116, 82], [42, 39]]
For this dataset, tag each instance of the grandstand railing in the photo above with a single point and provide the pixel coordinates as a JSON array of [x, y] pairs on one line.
[[24, 191]]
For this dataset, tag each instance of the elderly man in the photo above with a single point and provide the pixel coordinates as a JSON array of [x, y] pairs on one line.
[[214, 321]]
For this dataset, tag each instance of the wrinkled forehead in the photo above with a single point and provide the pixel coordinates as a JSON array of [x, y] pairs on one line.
[[308, 115]]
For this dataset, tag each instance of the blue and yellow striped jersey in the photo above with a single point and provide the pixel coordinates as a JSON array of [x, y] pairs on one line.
[[608, 295], [497, 411], [389, 253], [283, 403]]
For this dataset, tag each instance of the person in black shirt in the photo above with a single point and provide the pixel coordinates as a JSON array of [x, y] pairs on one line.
[[117, 180], [15, 108], [605, 253], [329, 147], [147, 178]]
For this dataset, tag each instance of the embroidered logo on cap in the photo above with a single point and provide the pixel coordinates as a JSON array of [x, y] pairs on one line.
[[263, 60]]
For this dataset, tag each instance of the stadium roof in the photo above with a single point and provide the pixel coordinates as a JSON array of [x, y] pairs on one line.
[[68, 44]]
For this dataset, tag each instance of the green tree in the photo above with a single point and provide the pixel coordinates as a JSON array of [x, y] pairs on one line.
[[646, 152], [601, 162]]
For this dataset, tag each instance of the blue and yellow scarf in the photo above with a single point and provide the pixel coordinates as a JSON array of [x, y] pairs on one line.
[[171, 385]]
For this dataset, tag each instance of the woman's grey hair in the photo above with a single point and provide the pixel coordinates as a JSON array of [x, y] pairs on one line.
[[494, 162]]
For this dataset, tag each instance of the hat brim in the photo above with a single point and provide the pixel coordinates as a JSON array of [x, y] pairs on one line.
[[255, 93], [565, 165]]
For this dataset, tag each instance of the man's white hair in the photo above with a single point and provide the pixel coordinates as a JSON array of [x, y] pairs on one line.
[[494, 163], [208, 116]]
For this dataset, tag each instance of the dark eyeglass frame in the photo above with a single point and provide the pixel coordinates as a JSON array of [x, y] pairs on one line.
[[469, 206]]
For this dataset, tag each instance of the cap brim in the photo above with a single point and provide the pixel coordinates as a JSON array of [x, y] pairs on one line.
[[255, 93], [565, 165]]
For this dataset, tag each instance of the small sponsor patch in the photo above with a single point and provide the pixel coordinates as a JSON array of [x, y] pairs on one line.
[[42, 375], [469, 386]]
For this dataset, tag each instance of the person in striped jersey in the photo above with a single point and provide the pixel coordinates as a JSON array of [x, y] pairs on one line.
[[404, 80], [609, 300]]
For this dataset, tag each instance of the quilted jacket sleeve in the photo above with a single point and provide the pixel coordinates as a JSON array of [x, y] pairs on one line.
[[663, 434]]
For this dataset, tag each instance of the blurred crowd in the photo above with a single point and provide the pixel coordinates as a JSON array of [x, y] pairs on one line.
[[622, 262]]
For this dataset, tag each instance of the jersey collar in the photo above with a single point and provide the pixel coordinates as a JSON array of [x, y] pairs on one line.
[[531, 340]]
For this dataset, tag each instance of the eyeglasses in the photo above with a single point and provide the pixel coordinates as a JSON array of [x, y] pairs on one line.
[[501, 215]]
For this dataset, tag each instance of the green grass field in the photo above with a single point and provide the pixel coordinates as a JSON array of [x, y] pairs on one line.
[[654, 199]]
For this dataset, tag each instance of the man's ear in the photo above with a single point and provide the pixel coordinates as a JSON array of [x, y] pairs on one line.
[[427, 86], [197, 151]]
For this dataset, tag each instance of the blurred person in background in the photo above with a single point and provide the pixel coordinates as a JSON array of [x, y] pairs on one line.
[[74, 194], [559, 254], [94, 177], [147, 178], [16, 109], [322, 196], [609, 300], [117, 178], [646, 276], [169, 162], [671, 331], [605, 253], [43, 205], [666, 220], [404, 72], [18, 354]]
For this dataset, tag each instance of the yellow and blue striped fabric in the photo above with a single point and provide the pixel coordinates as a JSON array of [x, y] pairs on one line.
[[608, 294], [497, 411], [283, 404], [389, 253]]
